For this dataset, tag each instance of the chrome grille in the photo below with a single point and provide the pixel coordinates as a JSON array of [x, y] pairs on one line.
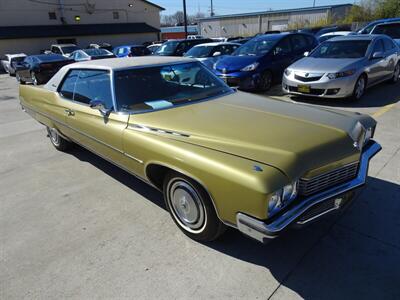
[[321, 182], [307, 79]]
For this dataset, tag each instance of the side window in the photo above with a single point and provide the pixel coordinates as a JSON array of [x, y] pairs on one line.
[[93, 85], [378, 47], [283, 47], [68, 85], [310, 40], [121, 51], [299, 43], [388, 44], [55, 50]]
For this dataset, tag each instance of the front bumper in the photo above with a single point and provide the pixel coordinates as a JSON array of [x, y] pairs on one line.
[[242, 80], [323, 88], [308, 209]]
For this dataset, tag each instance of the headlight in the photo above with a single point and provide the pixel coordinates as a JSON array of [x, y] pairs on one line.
[[251, 67], [282, 197], [288, 72], [341, 74]]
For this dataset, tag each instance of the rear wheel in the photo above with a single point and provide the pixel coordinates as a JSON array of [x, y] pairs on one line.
[[396, 74], [57, 140], [359, 88], [191, 208]]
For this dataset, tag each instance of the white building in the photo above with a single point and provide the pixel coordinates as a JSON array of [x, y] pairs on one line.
[[33, 25]]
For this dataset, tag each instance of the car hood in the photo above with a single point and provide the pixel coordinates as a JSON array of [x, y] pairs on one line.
[[235, 63], [310, 64], [293, 138]]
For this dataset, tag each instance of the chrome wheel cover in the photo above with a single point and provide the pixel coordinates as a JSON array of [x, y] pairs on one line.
[[54, 136], [360, 87], [186, 205]]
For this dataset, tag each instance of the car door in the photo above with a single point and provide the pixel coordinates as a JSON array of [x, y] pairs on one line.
[[87, 126], [282, 57], [391, 56], [377, 65]]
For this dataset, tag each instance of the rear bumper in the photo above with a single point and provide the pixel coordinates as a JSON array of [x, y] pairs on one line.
[[311, 208]]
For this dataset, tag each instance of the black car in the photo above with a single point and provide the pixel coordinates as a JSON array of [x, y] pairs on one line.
[[38, 69], [179, 47], [242, 40]]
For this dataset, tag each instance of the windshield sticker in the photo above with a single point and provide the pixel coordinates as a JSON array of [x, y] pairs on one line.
[[159, 104]]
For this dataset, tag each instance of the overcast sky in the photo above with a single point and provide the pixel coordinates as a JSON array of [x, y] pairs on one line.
[[240, 6]]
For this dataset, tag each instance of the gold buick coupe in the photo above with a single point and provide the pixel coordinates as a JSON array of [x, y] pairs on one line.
[[221, 157]]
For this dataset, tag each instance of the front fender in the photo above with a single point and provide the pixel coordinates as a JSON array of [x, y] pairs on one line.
[[233, 182]]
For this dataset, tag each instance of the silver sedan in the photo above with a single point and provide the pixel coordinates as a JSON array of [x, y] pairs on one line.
[[344, 67]]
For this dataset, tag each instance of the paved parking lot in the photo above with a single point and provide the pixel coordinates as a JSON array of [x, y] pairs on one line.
[[74, 226]]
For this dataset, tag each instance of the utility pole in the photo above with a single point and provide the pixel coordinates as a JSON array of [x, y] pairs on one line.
[[314, 4], [185, 18], [212, 9]]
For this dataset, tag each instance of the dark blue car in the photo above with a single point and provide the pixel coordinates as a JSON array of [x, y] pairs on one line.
[[260, 62]]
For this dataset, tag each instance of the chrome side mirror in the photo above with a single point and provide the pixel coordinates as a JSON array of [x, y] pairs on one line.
[[306, 53], [97, 104]]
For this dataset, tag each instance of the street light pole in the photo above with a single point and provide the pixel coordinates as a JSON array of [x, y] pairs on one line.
[[314, 4], [185, 18], [212, 9]]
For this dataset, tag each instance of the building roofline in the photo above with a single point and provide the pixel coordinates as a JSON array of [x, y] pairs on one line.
[[153, 4], [19, 32], [271, 12]]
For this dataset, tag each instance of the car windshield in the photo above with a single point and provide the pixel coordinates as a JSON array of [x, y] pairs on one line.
[[69, 49], [152, 88], [17, 59], [327, 37], [341, 49], [168, 48], [392, 30], [199, 51], [255, 47], [96, 52]]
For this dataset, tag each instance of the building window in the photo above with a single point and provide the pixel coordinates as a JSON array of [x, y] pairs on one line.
[[115, 15], [52, 16]]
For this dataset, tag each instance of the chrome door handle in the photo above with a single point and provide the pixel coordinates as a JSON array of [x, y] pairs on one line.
[[70, 112]]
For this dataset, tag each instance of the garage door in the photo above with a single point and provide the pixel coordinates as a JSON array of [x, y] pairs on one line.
[[278, 25]]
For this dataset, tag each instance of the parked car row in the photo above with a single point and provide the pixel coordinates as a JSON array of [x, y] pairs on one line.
[[361, 59]]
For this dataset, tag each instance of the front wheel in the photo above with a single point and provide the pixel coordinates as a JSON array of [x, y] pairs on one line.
[[34, 79], [19, 79], [265, 81], [57, 140], [359, 88], [396, 74], [191, 208]]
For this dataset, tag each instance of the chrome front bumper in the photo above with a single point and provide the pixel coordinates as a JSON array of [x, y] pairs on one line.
[[262, 231]]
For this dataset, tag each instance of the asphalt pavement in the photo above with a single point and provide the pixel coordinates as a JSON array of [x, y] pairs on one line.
[[74, 226]]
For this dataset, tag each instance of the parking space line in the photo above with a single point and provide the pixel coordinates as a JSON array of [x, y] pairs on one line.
[[383, 110]]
